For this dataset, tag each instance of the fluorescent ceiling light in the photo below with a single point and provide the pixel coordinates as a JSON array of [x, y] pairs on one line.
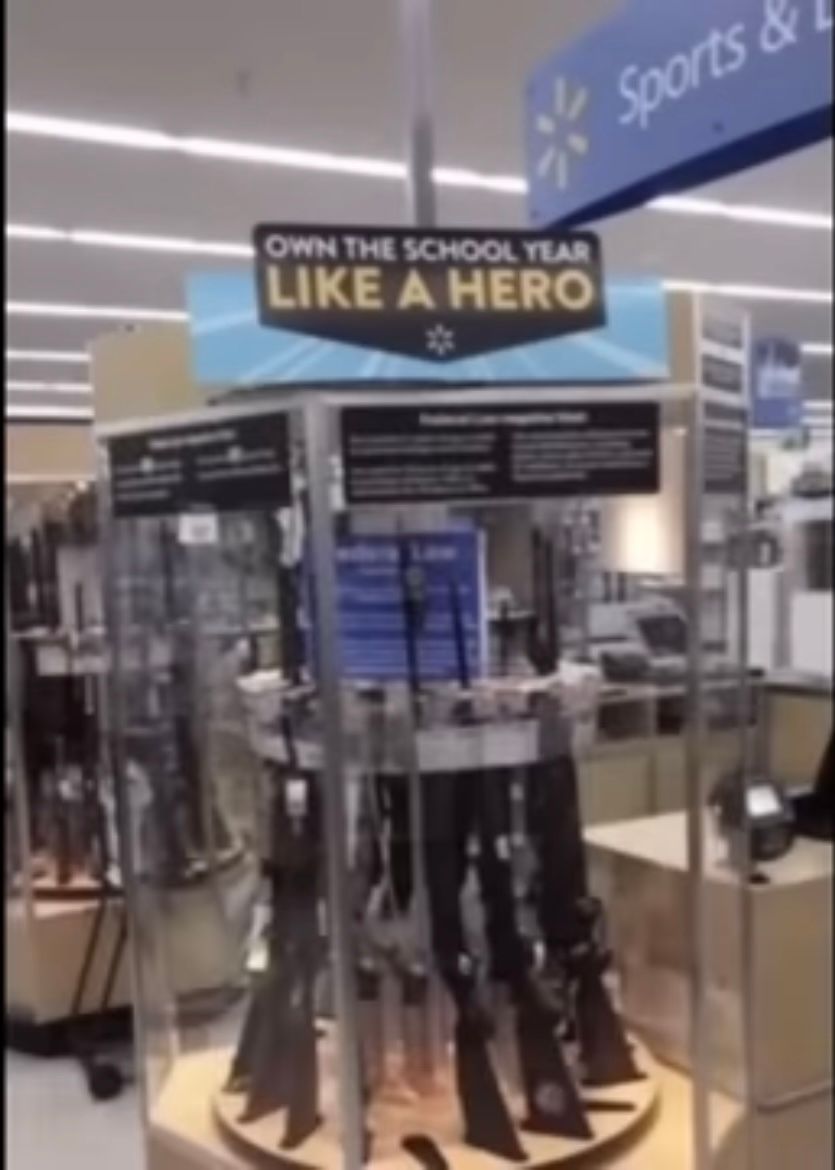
[[817, 348], [752, 292], [48, 309], [25, 231], [60, 356], [265, 154], [131, 240], [49, 412], [51, 387], [743, 213]]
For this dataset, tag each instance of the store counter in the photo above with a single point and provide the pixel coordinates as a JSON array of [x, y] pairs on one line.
[[639, 868]]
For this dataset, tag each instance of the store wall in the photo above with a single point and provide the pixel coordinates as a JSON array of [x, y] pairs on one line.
[[143, 373], [48, 451]]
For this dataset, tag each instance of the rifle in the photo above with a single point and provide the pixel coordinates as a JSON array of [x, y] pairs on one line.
[[51, 589], [18, 576], [276, 1063], [553, 1101], [543, 638], [416, 983], [36, 553], [569, 917], [291, 647], [505, 633], [94, 817]]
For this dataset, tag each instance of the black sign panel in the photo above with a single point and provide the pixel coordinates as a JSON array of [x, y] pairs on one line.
[[423, 454], [233, 465], [725, 453], [438, 295]]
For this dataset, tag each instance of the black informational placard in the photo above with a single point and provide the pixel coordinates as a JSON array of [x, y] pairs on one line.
[[233, 465], [438, 295], [725, 451], [399, 455]]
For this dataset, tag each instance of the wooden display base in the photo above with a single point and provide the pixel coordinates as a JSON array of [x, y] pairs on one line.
[[193, 1110]]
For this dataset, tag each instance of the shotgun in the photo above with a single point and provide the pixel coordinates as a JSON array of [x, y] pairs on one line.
[[570, 918], [276, 1063], [553, 1100]]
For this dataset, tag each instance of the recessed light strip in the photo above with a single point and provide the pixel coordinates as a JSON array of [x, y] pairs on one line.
[[752, 292], [822, 349], [743, 213], [58, 356], [113, 312], [129, 240], [58, 413], [139, 138], [49, 387]]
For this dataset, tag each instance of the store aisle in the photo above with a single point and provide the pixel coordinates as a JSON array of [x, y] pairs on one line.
[[51, 1120]]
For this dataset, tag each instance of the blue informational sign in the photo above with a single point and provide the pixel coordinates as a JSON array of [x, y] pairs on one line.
[[777, 385], [668, 95], [371, 612], [231, 349]]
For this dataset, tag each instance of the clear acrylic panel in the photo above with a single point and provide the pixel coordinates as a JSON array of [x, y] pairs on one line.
[[223, 814]]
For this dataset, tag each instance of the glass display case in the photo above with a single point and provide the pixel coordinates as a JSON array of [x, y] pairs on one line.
[[65, 921], [418, 876]]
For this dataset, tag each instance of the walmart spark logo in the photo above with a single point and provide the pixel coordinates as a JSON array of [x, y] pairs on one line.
[[565, 142]]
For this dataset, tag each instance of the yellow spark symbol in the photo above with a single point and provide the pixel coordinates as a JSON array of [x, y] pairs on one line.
[[565, 140]]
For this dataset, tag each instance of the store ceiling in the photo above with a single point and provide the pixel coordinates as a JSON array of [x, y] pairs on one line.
[[322, 75]]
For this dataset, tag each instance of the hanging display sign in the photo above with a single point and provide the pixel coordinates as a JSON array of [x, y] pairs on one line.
[[725, 450], [489, 322], [777, 399], [436, 295], [459, 453], [238, 464], [666, 97], [723, 349], [372, 630]]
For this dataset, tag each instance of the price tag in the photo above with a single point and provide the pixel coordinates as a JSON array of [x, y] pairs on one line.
[[198, 528]]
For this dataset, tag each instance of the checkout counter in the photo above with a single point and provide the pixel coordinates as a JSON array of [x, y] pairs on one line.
[[768, 955]]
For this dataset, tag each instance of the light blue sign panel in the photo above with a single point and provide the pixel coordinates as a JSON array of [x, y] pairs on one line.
[[673, 93], [777, 385], [372, 638], [231, 349]]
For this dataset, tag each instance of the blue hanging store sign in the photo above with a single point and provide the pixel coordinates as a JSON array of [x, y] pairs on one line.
[[667, 96]]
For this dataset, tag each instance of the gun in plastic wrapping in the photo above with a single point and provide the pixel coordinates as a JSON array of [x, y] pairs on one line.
[[276, 1064]]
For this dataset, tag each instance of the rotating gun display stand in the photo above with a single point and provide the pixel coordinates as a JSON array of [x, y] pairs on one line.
[[433, 983]]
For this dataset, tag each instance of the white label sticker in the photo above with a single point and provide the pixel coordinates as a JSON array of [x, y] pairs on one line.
[[198, 528]]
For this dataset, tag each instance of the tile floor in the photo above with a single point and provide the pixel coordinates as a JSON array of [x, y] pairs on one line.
[[52, 1123]]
